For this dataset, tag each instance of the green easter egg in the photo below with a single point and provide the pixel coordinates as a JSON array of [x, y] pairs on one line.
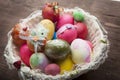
[[57, 49], [78, 16]]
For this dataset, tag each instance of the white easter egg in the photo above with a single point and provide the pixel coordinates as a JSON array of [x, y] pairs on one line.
[[80, 51]]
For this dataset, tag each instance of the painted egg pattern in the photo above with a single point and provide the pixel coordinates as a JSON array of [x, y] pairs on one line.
[[80, 51]]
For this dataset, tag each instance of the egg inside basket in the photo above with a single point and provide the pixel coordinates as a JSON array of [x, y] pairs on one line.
[[97, 35]]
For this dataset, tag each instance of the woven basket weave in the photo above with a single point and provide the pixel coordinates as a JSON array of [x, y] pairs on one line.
[[97, 35]]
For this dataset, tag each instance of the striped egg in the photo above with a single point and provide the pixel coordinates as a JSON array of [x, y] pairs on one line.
[[80, 51]]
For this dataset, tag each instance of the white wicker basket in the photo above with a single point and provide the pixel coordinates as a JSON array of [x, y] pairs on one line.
[[97, 35]]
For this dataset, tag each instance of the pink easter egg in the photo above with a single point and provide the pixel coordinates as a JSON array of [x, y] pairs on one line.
[[25, 54], [52, 69], [67, 32], [82, 30], [65, 18]]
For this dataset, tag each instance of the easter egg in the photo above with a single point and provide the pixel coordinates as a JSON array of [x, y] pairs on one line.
[[52, 69], [50, 11], [80, 51], [38, 61], [57, 49], [65, 18], [78, 16], [25, 54], [55, 36], [66, 64], [15, 35], [67, 32], [49, 25], [82, 30]]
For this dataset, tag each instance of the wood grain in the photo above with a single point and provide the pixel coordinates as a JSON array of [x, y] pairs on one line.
[[107, 11]]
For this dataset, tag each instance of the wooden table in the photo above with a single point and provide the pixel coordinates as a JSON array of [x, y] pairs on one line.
[[107, 11]]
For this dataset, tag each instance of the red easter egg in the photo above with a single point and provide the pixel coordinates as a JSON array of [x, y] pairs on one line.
[[25, 54], [49, 12], [67, 32], [65, 18], [82, 30]]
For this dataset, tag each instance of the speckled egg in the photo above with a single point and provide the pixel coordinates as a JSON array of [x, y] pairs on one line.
[[38, 61], [57, 49], [80, 51], [49, 25], [67, 32]]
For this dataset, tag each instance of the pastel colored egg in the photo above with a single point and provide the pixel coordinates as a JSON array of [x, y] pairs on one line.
[[65, 18], [82, 30], [38, 61], [15, 35], [80, 51], [66, 64], [67, 32], [25, 54], [52, 69], [57, 49], [78, 16], [49, 25]]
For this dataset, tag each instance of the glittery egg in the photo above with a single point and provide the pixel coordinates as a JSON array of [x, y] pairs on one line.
[[25, 54], [66, 64], [52, 69], [38, 61], [57, 49], [80, 51], [49, 25], [67, 32]]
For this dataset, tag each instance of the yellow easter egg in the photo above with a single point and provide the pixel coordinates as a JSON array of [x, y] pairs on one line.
[[49, 25], [66, 64]]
